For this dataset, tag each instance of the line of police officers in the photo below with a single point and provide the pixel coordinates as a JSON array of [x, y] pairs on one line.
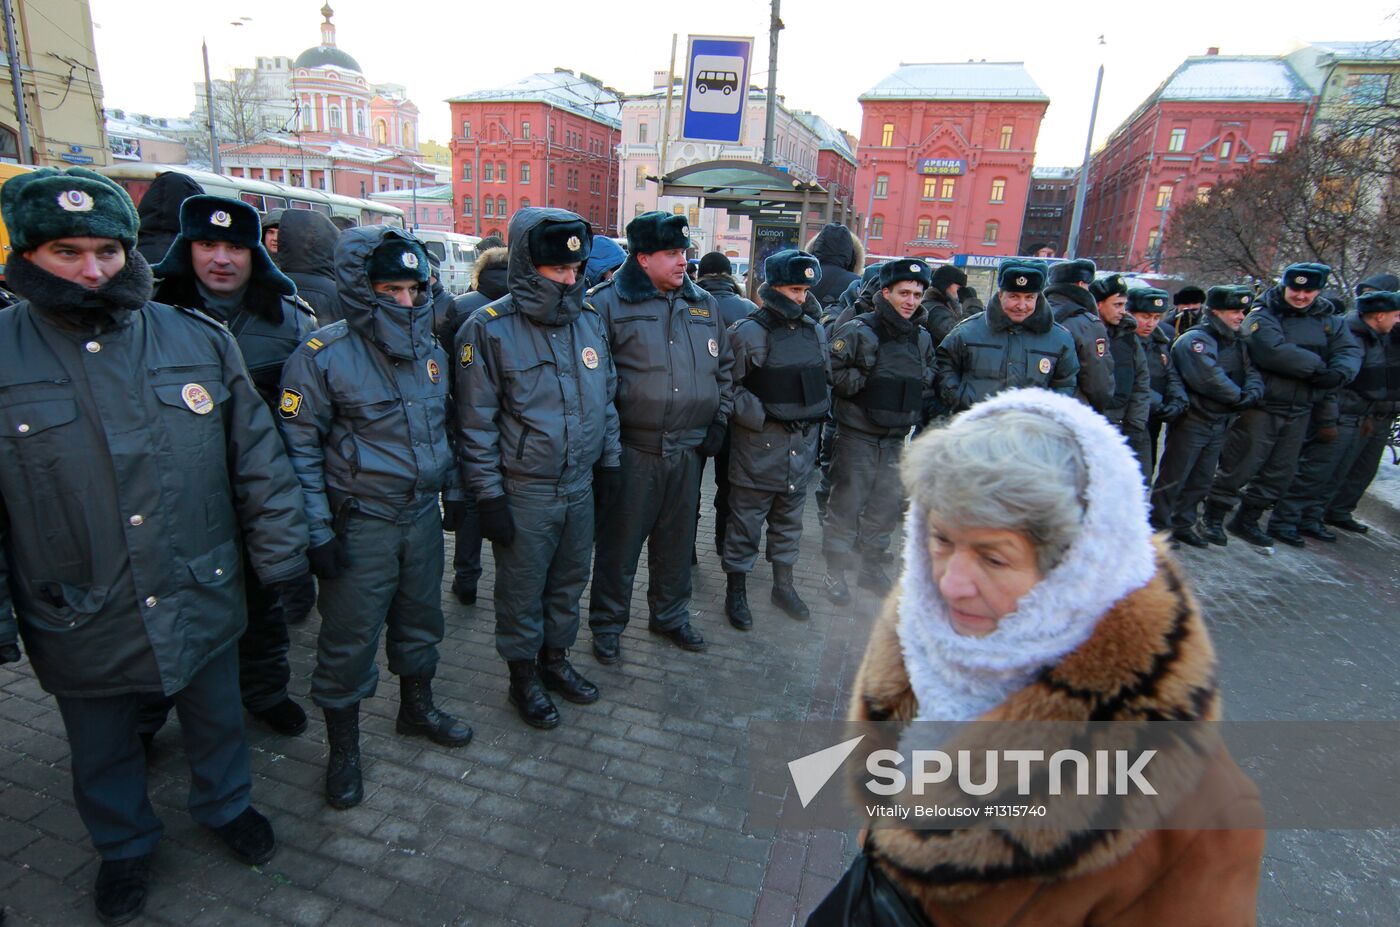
[[154, 514]]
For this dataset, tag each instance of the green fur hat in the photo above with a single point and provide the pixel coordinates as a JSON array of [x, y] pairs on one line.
[[1148, 299], [792, 267], [1229, 297], [48, 204], [657, 231], [1020, 277]]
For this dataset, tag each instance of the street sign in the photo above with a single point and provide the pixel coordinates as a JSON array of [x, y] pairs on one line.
[[716, 88]]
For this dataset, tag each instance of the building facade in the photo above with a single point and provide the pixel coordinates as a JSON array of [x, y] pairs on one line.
[[62, 88], [1049, 209], [135, 137], [945, 158], [548, 139], [1349, 76], [1215, 117], [425, 208]]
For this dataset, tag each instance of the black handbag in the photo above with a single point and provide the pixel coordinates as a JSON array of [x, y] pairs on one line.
[[865, 897]]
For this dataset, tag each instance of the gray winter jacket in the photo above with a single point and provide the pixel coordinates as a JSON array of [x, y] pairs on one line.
[[988, 353], [306, 253], [1294, 349], [1216, 369], [534, 381], [364, 407], [1132, 388], [733, 305], [874, 355], [1076, 312]]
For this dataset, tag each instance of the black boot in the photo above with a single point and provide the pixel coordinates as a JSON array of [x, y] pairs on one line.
[[286, 717], [1288, 534], [1245, 526], [1188, 537], [419, 717], [785, 593], [528, 696], [736, 601], [835, 583], [559, 675], [464, 591], [1213, 524], [872, 576], [120, 892], [249, 837], [344, 787]]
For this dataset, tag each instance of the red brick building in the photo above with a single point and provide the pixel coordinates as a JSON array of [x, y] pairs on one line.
[[945, 158], [1213, 118], [1049, 209], [545, 140]]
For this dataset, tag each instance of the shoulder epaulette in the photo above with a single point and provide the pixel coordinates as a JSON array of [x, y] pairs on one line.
[[497, 310], [591, 308], [198, 314], [598, 287], [327, 335], [304, 306]]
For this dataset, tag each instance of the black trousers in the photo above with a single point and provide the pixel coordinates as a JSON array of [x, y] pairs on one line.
[[1320, 471], [1259, 459], [1187, 468], [466, 553], [1363, 469]]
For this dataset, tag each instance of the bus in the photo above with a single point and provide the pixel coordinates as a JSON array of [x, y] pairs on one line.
[[7, 172], [455, 255], [262, 195]]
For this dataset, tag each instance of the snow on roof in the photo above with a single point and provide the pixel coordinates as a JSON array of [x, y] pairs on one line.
[[1381, 50], [831, 137], [1234, 77], [971, 80], [1054, 173], [560, 89], [436, 193], [127, 129]]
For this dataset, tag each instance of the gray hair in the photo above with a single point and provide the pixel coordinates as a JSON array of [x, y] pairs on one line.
[[1013, 470]]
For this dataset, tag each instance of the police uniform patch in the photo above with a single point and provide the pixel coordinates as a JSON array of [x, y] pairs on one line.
[[590, 358], [1158, 303], [467, 356], [1245, 300], [220, 218], [434, 371], [197, 398], [839, 344], [1021, 281], [1101, 346], [1300, 280], [700, 312], [409, 259], [315, 344], [1254, 328], [914, 268], [290, 404], [1045, 365], [714, 348], [573, 243], [75, 201], [1196, 347]]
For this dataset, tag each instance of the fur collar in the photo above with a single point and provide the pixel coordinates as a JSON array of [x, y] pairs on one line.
[[258, 299], [634, 286], [1072, 300], [73, 306]]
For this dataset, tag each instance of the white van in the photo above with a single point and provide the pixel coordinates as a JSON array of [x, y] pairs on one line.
[[455, 253]]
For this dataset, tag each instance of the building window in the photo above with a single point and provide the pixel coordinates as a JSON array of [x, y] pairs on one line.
[[500, 172], [1178, 140], [940, 230], [930, 187], [990, 233], [1279, 141], [488, 207], [550, 172], [466, 205], [360, 122], [887, 135], [467, 171], [1005, 142], [1225, 148], [1164, 196], [734, 223], [638, 209], [335, 117], [525, 203], [641, 179], [525, 172], [1203, 193], [500, 207], [695, 215], [1154, 238], [998, 190], [925, 226], [466, 128], [949, 185], [882, 186], [525, 129], [488, 172], [877, 227], [1366, 89]]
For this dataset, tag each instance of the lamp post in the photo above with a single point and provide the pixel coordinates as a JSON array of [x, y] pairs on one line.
[[214, 159], [1072, 246]]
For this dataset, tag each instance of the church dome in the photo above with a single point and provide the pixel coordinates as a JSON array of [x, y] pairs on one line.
[[327, 56]]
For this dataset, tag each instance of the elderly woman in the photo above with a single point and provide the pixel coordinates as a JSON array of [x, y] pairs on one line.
[[1033, 590]]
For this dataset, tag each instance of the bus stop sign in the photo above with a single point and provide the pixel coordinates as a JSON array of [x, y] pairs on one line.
[[716, 88]]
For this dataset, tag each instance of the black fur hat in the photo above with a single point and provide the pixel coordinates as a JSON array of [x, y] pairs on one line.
[[1081, 270], [218, 218], [1189, 296], [1377, 301], [399, 258], [792, 268], [916, 269], [1105, 287], [49, 204], [555, 243], [948, 274], [1020, 277], [657, 231]]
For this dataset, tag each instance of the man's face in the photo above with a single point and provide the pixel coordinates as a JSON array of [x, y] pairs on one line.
[[952, 290], [222, 267], [270, 240], [407, 293], [1189, 307], [904, 296], [665, 269], [1233, 318], [1299, 299], [88, 262], [1111, 310], [560, 273], [1017, 306], [1383, 322], [1146, 322], [794, 292]]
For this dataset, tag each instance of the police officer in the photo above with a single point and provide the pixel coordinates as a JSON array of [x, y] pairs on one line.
[[1014, 342], [364, 411], [1303, 352], [1185, 311], [1077, 311], [673, 403], [855, 299], [136, 461], [1354, 482], [781, 368], [1132, 397], [1167, 394], [942, 311], [217, 265], [881, 365], [1325, 462], [1220, 381], [535, 417]]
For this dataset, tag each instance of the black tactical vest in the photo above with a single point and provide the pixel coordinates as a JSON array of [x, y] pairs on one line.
[[893, 396], [792, 381]]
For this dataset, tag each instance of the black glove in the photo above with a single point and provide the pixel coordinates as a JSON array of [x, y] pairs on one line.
[[330, 559], [1329, 379], [9, 653], [496, 523], [454, 512], [607, 486], [714, 440]]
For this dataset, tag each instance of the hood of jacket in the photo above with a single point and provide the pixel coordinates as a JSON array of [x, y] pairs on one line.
[[606, 255], [490, 275], [634, 286], [74, 307], [394, 330], [263, 296], [1039, 321], [835, 244], [718, 285], [1069, 299], [160, 211], [532, 294], [1127, 326], [306, 243]]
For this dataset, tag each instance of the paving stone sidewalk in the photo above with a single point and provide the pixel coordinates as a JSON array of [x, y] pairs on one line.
[[635, 810]]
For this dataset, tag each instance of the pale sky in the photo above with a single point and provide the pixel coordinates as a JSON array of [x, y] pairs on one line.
[[830, 53]]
